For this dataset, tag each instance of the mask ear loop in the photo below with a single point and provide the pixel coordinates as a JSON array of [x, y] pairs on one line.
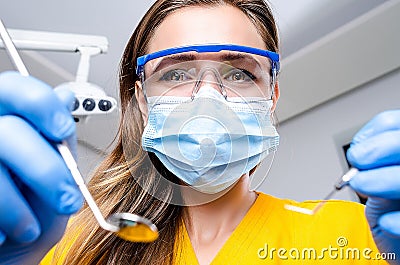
[[200, 80], [274, 75], [252, 176], [142, 78], [274, 78]]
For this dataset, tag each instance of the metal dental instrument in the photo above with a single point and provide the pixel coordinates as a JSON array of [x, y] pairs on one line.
[[343, 181], [127, 226]]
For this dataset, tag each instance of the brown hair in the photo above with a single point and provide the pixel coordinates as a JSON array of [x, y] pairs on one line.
[[121, 184]]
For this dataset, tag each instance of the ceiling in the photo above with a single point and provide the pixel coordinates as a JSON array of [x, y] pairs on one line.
[[301, 23]]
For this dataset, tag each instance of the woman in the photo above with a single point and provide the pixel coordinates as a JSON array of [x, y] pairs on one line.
[[202, 217]]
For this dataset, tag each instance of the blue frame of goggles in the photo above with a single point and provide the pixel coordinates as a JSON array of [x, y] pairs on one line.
[[210, 48], [273, 56]]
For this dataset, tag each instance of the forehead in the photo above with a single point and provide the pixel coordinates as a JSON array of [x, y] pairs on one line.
[[203, 25]]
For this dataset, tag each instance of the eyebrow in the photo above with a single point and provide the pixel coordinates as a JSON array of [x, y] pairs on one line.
[[176, 58], [235, 56], [239, 56]]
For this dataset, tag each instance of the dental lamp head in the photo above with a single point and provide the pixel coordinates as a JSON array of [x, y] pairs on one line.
[[90, 99]]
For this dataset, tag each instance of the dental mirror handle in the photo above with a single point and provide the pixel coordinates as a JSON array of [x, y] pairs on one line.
[[12, 51], [73, 168], [62, 148]]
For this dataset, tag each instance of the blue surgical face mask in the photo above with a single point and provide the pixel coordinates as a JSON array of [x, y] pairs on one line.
[[208, 142]]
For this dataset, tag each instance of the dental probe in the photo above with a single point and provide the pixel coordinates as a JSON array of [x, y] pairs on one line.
[[343, 181]]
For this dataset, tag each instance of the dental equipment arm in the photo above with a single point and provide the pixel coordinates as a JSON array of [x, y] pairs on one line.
[[90, 99], [53, 41]]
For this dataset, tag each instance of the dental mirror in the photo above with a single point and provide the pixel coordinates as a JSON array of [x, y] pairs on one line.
[[127, 226]]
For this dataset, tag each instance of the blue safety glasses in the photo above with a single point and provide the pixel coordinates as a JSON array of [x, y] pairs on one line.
[[238, 71]]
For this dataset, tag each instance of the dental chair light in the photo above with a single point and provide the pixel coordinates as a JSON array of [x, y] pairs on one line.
[[90, 99]]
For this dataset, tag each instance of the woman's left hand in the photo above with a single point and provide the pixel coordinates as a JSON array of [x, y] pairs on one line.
[[375, 151]]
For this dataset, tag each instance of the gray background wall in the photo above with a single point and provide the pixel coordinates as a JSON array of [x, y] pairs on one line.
[[310, 158]]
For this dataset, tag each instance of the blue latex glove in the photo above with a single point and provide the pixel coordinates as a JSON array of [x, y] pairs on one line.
[[37, 192], [375, 150]]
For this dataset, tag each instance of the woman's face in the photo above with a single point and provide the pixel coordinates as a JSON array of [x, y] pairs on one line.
[[204, 25]]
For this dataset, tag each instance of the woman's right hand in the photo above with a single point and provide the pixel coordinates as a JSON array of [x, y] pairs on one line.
[[37, 192]]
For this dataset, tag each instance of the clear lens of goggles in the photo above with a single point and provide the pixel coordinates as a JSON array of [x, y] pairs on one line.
[[235, 74]]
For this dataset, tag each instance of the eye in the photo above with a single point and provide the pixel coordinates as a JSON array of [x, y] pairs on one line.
[[176, 75], [239, 75]]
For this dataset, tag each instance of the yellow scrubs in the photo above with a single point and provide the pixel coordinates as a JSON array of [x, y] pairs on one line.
[[270, 234]]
